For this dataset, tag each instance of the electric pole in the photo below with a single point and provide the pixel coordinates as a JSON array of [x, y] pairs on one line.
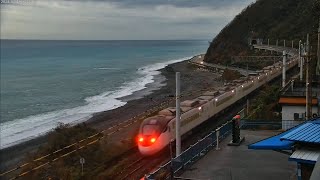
[[318, 65], [318, 53], [308, 82]]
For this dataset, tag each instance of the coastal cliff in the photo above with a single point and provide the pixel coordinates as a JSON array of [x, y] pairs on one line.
[[273, 19]]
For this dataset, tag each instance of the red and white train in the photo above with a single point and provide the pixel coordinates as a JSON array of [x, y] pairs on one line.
[[156, 132]]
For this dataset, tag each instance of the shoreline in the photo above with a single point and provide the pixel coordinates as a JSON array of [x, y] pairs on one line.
[[140, 101], [150, 79]]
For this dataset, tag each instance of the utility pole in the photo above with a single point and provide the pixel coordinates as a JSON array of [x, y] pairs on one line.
[[301, 59], [284, 43], [292, 44], [284, 68], [171, 162], [318, 65], [178, 137], [308, 83], [248, 106], [247, 70], [277, 43], [318, 54]]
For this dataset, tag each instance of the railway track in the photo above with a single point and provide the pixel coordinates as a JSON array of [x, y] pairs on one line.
[[138, 168], [135, 166]]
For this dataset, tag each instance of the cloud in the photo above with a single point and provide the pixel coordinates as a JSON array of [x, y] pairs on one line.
[[121, 19]]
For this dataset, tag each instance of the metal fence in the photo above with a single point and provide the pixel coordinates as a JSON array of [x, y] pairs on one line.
[[267, 124], [193, 153], [249, 124], [288, 124], [204, 145]]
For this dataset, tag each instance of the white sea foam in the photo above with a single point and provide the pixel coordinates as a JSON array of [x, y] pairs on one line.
[[21, 130], [107, 68]]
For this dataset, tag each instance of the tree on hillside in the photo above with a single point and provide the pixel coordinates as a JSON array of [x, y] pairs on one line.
[[273, 19]]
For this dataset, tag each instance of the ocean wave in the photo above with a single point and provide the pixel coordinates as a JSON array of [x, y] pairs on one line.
[[106, 68], [21, 130]]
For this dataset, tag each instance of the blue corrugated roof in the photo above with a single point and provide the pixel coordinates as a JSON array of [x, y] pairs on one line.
[[273, 143], [308, 133]]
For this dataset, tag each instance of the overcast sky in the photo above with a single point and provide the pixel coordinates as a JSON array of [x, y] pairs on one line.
[[116, 19]]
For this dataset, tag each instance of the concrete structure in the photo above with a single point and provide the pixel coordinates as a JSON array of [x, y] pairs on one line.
[[293, 102], [255, 41], [316, 171]]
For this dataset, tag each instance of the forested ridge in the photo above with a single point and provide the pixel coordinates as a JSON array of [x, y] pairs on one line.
[[273, 19]]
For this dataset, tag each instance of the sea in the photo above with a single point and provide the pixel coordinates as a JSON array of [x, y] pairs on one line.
[[44, 83]]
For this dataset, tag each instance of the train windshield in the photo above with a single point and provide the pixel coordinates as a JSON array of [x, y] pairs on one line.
[[149, 130]]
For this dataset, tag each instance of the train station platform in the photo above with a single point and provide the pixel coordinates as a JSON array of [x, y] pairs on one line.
[[241, 163]]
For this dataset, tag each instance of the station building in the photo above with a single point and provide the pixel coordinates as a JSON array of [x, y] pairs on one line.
[[293, 102]]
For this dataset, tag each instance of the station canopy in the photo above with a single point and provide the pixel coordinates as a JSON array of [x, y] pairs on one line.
[[286, 140]]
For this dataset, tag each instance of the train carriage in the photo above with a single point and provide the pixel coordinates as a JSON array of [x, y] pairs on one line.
[[156, 132]]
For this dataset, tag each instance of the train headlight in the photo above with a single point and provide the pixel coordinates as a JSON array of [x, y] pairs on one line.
[[152, 140], [199, 108], [140, 139]]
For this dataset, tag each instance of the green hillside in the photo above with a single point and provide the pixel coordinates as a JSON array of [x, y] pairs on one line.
[[274, 19]]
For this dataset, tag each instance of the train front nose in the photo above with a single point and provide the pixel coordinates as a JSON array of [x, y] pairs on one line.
[[148, 145], [146, 140]]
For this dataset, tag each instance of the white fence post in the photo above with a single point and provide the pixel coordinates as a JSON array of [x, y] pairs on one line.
[[217, 136]]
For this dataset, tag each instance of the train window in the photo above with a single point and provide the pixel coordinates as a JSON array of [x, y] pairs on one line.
[[150, 129]]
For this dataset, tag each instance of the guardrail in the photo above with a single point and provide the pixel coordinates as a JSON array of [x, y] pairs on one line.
[[204, 145]]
